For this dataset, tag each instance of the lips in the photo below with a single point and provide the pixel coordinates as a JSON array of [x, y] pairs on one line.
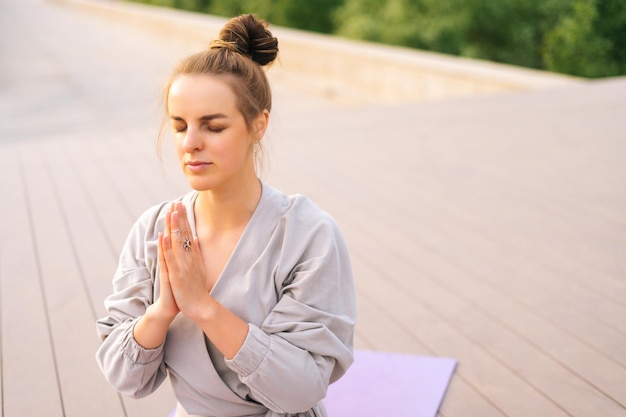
[[197, 166]]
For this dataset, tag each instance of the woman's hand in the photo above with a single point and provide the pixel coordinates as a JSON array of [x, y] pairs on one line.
[[151, 329], [182, 259], [165, 305]]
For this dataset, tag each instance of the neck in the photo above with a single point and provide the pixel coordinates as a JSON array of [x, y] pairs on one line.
[[230, 207]]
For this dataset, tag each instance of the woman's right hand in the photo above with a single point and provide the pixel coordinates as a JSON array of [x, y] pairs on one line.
[[165, 304], [151, 329]]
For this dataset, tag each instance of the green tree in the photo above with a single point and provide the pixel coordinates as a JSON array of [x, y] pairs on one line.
[[612, 25], [579, 37], [504, 31], [576, 45], [237, 7], [397, 22], [313, 15]]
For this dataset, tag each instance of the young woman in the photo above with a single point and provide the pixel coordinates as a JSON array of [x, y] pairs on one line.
[[243, 295]]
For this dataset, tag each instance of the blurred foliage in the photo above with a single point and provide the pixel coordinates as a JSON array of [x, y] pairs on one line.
[[578, 37], [313, 15]]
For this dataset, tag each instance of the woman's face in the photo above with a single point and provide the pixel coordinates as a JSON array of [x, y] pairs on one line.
[[212, 140]]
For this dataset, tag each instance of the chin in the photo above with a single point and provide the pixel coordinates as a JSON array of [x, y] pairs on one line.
[[201, 184]]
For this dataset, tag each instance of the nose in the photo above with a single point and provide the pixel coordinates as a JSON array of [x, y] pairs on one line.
[[192, 141]]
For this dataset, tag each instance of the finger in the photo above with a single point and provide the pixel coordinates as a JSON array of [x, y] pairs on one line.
[[167, 234], [181, 231], [168, 220], [174, 228], [182, 212], [162, 263], [168, 256], [196, 245], [181, 218]]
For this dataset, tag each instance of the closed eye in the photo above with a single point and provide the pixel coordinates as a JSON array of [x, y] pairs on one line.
[[213, 122], [178, 124], [213, 128]]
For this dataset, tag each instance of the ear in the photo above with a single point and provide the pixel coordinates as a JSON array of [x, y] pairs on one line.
[[259, 125]]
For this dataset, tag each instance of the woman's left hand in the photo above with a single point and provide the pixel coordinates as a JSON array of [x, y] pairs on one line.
[[185, 265]]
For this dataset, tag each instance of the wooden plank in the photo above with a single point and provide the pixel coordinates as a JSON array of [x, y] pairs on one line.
[[384, 331], [604, 375], [381, 332], [69, 311], [156, 180], [114, 211], [538, 290], [116, 169], [462, 399], [418, 308], [28, 361], [360, 342], [94, 252], [476, 364], [540, 222], [542, 234]]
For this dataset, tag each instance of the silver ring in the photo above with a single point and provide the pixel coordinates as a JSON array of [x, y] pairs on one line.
[[176, 232], [187, 243]]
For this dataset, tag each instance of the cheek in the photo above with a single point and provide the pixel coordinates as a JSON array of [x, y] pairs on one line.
[[179, 149], [237, 145], [178, 146]]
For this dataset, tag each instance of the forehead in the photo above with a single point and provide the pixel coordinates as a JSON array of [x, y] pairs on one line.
[[199, 94]]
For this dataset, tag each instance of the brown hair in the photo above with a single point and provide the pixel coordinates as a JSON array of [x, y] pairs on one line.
[[244, 46]]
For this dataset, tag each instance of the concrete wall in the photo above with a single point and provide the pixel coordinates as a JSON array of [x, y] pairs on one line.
[[350, 71]]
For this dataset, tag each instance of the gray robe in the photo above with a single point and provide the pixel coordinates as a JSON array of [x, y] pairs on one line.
[[289, 278]]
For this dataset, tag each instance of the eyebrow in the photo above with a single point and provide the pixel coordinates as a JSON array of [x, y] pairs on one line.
[[213, 116], [205, 118]]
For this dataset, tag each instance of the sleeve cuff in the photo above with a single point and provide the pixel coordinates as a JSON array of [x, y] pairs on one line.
[[252, 353], [136, 353]]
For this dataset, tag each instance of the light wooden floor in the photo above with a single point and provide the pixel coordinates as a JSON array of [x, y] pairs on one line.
[[491, 230]]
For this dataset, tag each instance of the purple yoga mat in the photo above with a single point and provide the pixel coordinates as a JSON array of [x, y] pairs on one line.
[[389, 384]]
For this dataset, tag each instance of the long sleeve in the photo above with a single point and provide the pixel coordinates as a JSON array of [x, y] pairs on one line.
[[305, 343], [131, 369]]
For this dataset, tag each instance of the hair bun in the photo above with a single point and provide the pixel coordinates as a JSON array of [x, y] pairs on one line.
[[251, 38]]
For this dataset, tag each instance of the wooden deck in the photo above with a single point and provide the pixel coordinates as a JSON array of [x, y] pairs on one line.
[[490, 229]]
